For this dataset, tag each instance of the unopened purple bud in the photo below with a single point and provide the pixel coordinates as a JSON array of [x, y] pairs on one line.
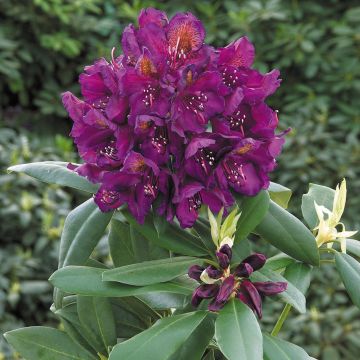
[[252, 296], [256, 261], [213, 272], [243, 270], [205, 291], [269, 288], [224, 256], [195, 271], [225, 291]]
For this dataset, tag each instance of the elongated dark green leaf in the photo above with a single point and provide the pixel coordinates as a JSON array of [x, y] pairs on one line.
[[323, 196], [162, 301], [145, 250], [173, 237], [44, 343], [353, 246], [289, 235], [70, 319], [121, 250], [97, 319], [162, 340], [202, 228], [238, 332], [195, 346], [253, 209], [87, 281], [83, 228], [299, 274], [128, 246], [277, 262], [349, 270], [279, 194], [277, 349], [56, 172], [292, 295], [151, 272]]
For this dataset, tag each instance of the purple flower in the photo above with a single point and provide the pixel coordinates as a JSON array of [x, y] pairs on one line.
[[225, 291], [195, 272], [194, 116], [196, 102]]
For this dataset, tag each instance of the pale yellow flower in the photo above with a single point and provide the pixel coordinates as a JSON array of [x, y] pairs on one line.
[[329, 221]]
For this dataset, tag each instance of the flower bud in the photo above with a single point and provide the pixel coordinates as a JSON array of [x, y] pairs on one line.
[[195, 271], [269, 288], [224, 256], [256, 261], [243, 270], [225, 291], [206, 291], [251, 296]]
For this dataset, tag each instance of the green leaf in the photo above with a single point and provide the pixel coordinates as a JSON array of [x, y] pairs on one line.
[[87, 281], [299, 274], [278, 262], [56, 172], [151, 272], [162, 340], [83, 228], [292, 295], [173, 237], [289, 235], [323, 196], [240, 251], [279, 194], [209, 356], [277, 349], [195, 346], [349, 270], [353, 246], [253, 209], [119, 239], [97, 319], [44, 343], [163, 301], [202, 228], [238, 333]]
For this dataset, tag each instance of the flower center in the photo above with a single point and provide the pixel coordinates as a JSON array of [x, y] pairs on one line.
[[109, 197], [151, 185], [195, 103], [233, 171], [205, 158], [230, 77], [160, 139], [195, 202], [150, 94], [101, 103], [110, 151], [183, 39]]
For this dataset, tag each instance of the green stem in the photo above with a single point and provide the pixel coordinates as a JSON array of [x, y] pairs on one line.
[[328, 250], [325, 261], [281, 320]]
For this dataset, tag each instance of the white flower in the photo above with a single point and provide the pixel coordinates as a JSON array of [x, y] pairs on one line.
[[327, 230]]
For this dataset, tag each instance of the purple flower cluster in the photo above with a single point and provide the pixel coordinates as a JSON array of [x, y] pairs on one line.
[[219, 284], [174, 123]]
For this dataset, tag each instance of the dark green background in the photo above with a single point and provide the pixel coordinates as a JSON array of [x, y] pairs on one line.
[[44, 44]]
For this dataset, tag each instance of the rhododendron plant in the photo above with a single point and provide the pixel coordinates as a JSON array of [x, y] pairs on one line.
[[177, 144]]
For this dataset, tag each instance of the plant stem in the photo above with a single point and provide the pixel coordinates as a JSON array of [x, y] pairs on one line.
[[281, 320], [326, 261], [328, 250]]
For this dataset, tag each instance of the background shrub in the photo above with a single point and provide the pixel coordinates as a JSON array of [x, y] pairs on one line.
[[44, 44]]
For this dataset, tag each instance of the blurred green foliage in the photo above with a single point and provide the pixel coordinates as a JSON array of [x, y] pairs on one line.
[[44, 44]]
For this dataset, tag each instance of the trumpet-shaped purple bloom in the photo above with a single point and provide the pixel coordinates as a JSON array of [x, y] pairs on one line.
[[194, 116]]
